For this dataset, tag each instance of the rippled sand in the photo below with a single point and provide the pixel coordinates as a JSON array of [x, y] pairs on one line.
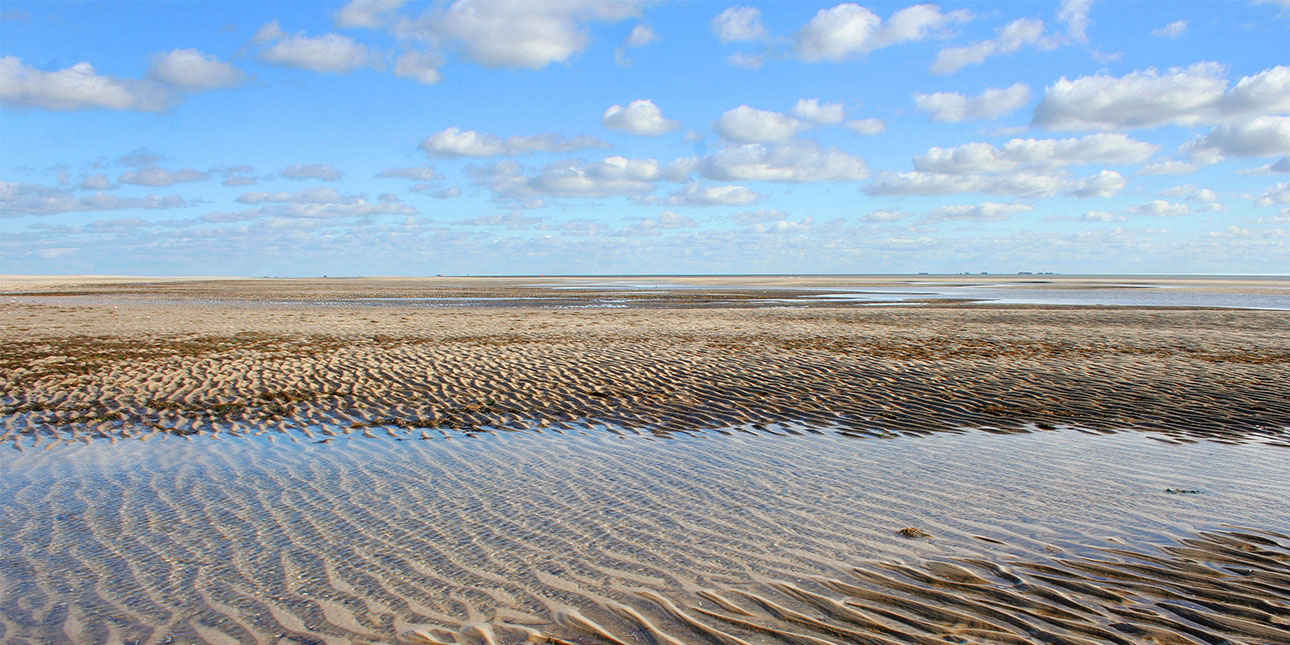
[[287, 462], [591, 536]]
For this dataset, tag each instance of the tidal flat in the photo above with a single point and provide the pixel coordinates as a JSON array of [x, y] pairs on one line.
[[670, 460]]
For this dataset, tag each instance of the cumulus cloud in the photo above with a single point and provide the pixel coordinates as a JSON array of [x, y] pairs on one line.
[[1021, 184], [1146, 98], [759, 216], [745, 61], [1112, 148], [269, 32], [420, 173], [1012, 37], [159, 177], [366, 13], [811, 111], [1264, 136], [641, 117], [322, 171], [885, 216], [983, 212], [668, 220], [1278, 194], [697, 195], [1281, 165], [800, 161], [329, 53], [1174, 29], [748, 124], [640, 36], [78, 87], [516, 33], [611, 177], [1160, 208], [454, 142], [97, 181], [17, 199], [422, 67], [848, 31], [193, 70], [1074, 13], [514, 220], [867, 127], [739, 24], [1101, 217], [1169, 167], [313, 203], [952, 107]]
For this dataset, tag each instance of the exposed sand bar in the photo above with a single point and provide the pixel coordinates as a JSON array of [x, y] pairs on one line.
[[430, 355]]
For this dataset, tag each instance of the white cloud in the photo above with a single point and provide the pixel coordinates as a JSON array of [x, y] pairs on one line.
[[422, 67], [1112, 148], [329, 53], [811, 111], [1278, 194], [1012, 37], [159, 177], [18, 199], [641, 36], [314, 203], [867, 127], [759, 216], [739, 24], [748, 124], [98, 181], [696, 195], [420, 173], [1018, 184], [270, 32], [1264, 136], [983, 212], [514, 220], [641, 117], [1281, 165], [884, 216], [669, 219], [1107, 183], [952, 107], [795, 161], [366, 13], [78, 87], [1160, 208], [1146, 98], [517, 33], [1101, 217], [193, 70], [321, 171], [784, 227], [746, 61], [1169, 167], [848, 30], [455, 142], [611, 177], [1075, 14], [1174, 29]]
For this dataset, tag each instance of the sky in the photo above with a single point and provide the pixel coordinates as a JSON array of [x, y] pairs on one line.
[[386, 137]]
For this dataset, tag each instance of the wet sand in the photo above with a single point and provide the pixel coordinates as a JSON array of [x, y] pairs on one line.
[[491, 461]]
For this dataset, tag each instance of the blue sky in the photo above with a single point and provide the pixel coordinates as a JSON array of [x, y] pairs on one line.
[[384, 137]]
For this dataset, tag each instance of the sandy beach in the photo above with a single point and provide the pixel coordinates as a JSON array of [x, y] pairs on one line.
[[654, 460]]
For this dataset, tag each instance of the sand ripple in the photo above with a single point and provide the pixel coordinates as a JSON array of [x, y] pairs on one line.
[[600, 537]]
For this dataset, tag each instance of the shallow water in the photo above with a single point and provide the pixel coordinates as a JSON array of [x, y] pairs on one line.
[[474, 537]]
